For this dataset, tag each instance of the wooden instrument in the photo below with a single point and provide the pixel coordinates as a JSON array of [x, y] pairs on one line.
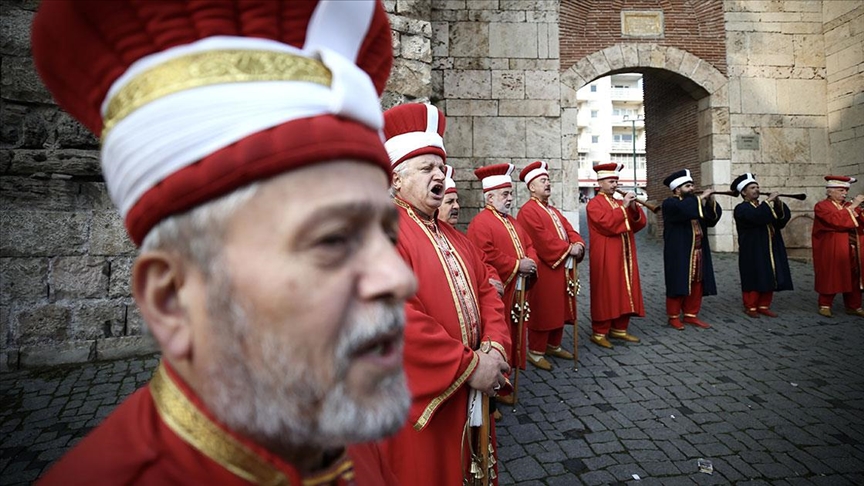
[[649, 206], [799, 197]]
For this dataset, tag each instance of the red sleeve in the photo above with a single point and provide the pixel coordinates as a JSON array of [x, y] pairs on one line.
[[638, 221], [433, 359], [837, 219], [494, 327], [437, 363]]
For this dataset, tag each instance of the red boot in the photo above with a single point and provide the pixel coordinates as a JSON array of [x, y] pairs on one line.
[[676, 323], [694, 321]]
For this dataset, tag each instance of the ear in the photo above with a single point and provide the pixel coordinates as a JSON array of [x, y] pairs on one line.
[[158, 279], [396, 181]]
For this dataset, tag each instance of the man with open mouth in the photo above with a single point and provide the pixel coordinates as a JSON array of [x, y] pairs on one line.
[[456, 340]]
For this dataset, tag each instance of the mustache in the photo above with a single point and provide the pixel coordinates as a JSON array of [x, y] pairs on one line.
[[370, 325]]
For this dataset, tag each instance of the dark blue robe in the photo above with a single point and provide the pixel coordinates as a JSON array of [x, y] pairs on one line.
[[679, 243], [762, 260]]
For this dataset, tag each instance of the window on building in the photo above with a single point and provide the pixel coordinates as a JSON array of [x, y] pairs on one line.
[[593, 88], [595, 113], [622, 137], [595, 138]]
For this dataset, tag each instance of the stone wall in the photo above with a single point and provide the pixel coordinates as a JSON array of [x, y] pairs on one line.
[[495, 75], [843, 27], [65, 260], [411, 76], [777, 94]]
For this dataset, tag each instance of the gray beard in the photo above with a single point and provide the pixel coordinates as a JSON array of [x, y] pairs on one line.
[[288, 404]]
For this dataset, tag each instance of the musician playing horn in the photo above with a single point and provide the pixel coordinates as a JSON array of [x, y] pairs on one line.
[[616, 293], [686, 253], [762, 261], [838, 246]]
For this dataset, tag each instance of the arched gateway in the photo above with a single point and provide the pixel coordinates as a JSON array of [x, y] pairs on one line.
[[687, 104]]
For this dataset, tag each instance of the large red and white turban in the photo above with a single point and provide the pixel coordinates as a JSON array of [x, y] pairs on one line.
[[839, 182], [414, 129], [608, 171], [495, 176], [532, 171], [194, 99]]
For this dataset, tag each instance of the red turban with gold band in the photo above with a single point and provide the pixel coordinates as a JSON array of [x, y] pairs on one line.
[[414, 129], [194, 99]]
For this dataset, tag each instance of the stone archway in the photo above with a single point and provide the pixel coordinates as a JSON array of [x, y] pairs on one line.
[[697, 77]]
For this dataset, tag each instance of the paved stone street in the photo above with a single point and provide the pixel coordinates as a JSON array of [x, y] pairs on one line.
[[767, 401]]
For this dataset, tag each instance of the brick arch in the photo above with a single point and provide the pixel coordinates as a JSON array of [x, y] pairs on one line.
[[698, 78]]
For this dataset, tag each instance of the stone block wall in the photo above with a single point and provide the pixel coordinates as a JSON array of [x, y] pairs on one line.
[[411, 76], [65, 260], [843, 26], [778, 93], [496, 76]]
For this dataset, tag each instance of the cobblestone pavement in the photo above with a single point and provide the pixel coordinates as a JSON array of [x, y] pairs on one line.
[[767, 401]]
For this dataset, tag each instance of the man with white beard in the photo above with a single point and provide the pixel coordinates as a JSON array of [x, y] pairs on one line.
[[508, 249], [278, 309]]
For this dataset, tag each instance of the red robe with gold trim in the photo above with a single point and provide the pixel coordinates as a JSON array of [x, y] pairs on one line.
[[551, 305], [163, 435], [835, 227], [615, 286], [504, 247], [454, 309]]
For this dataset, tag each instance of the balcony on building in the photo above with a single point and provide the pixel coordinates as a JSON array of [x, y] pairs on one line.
[[626, 88]]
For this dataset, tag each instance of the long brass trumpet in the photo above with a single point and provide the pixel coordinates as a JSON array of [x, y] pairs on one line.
[[650, 207], [799, 197]]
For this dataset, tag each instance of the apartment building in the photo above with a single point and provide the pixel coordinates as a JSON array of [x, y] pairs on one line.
[[611, 128]]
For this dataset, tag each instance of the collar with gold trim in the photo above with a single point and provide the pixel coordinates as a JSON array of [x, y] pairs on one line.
[[196, 428]]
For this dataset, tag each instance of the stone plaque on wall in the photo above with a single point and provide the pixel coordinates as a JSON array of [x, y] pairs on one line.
[[747, 142], [642, 23]]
